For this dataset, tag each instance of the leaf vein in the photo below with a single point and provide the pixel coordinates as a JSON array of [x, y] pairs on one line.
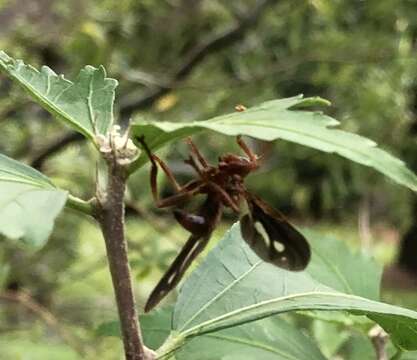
[[221, 293]]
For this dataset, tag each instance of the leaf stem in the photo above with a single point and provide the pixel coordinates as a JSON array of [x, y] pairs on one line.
[[80, 205], [172, 344]]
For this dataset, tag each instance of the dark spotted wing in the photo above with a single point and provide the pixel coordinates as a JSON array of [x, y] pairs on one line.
[[272, 237], [201, 226]]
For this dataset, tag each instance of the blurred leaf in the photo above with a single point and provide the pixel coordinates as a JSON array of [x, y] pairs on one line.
[[330, 336], [359, 347], [19, 349], [86, 105], [411, 355], [4, 272], [233, 286], [155, 326], [144, 272], [29, 202], [94, 31], [274, 120], [166, 102]]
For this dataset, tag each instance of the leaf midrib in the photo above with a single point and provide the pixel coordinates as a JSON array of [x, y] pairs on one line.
[[370, 144], [196, 328], [23, 176], [50, 102], [337, 272]]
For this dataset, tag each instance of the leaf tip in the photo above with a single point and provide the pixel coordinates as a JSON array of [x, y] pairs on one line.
[[47, 71], [4, 57], [310, 101]]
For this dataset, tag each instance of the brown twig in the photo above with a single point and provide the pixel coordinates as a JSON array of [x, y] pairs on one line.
[[110, 214], [45, 315]]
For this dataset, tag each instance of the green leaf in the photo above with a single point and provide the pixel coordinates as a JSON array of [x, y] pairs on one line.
[[332, 263], [85, 104], [279, 119], [29, 202], [271, 338], [233, 286], [358, 347], [266, 339], [412, 355], [156, 327]]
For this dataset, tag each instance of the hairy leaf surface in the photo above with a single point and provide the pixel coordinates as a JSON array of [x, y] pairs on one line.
[[85, 104]]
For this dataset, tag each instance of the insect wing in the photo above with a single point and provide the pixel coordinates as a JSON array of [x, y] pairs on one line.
[[174, 274], [210, 211], [272, 237]]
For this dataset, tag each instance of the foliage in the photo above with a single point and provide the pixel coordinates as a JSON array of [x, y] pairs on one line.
[[275, 120], [360, 55], [86, 104], [30, 202], [214, 299], [221, 294]]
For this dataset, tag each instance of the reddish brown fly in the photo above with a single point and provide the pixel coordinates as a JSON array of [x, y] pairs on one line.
[[265, 229]]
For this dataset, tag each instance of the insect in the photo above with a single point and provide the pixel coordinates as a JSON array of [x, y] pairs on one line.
[[265, 229]]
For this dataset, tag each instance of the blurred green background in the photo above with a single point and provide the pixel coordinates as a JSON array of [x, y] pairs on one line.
[[188, 60]]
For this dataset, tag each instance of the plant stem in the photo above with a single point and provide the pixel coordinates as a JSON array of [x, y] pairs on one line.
[[110, 214], [379, 340], [173, 343], [79, 205]]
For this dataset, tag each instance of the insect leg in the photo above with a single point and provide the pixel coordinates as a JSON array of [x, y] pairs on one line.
[[225, 196], [181, 190], [197, 153], [154, 169], [251, 155], [174, 199], [193, 163], [168, 173]]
